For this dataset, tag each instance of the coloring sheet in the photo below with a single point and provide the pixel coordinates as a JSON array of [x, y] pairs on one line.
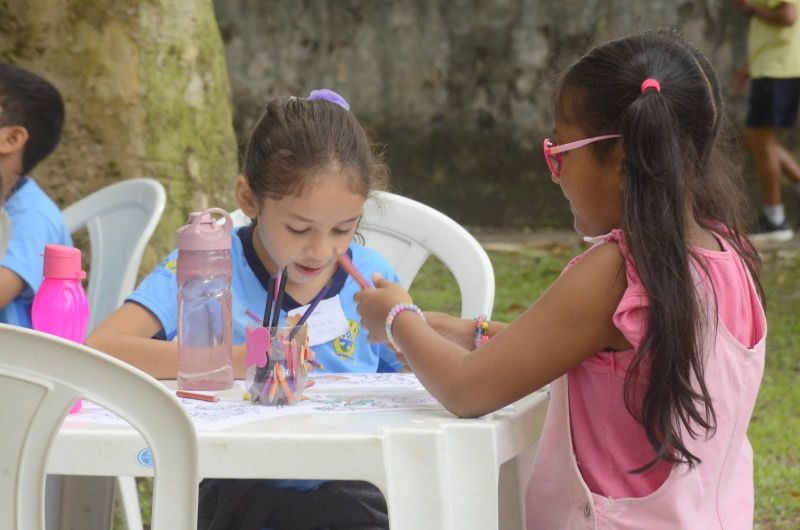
[[373, 402], [364, 382], [331, 393], [206, 416]]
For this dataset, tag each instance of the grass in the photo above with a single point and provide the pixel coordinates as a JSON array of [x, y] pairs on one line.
[[775, 427], [774, 431]]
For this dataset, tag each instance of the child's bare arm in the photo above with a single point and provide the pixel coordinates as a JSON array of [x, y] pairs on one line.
[[10, 286], [570, 322], [784, 14], [126, 334]]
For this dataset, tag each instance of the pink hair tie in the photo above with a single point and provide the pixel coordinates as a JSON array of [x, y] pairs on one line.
[[650, 83]]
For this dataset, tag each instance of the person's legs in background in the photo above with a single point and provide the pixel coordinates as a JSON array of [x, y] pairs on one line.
[[773, 105], [772, 160]]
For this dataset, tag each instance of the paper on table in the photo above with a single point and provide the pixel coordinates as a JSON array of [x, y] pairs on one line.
[[332, 393], [373, 401], [206, 416], [366, 382]]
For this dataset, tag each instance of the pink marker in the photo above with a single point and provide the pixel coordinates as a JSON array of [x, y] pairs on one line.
[[348, 266]]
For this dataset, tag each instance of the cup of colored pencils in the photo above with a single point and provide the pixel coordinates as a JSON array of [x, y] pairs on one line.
[[282, 378]]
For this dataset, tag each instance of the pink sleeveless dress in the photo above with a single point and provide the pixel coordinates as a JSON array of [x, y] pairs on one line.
[[580, 476]]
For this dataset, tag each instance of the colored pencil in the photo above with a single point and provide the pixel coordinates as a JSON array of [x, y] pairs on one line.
[[279, 298], [317, 299], [252, 315], [267, 312], [348, 266], [269, 309], [194, 395], [275, 308]]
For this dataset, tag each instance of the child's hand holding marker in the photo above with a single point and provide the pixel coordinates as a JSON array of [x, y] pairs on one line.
[[374, 305]]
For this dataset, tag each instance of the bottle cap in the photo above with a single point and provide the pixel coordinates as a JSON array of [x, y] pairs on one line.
[[202, 232], [62, 262]]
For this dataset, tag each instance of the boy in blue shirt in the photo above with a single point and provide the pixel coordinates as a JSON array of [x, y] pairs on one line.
[[31, 119]]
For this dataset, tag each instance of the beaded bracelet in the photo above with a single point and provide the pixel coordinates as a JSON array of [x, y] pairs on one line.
[[393, 312], [481, 330]]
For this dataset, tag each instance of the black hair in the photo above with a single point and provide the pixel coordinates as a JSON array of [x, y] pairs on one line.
[[674, 165], [30, 101], [295, 139]]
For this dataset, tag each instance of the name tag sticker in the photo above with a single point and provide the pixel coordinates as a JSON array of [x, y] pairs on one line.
[[326, 322]]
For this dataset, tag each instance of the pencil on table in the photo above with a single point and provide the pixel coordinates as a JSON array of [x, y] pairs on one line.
[[193, 395]]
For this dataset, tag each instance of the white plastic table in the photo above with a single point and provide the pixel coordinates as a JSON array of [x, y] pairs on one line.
[[435, 470]]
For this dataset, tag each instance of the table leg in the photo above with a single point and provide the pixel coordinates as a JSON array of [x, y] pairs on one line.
[[473, 471], [86, 502], [446, 480], [415, 491]]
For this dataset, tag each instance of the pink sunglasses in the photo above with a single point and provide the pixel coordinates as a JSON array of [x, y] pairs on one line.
[[554, 158]]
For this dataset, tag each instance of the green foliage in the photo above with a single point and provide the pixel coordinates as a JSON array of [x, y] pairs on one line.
[[519, 279]]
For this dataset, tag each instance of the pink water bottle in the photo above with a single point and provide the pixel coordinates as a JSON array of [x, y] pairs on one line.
[[204, 302], [60, 306]]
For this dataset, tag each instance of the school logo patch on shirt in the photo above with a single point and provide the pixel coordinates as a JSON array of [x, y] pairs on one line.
[[169, 267], [345, 345]]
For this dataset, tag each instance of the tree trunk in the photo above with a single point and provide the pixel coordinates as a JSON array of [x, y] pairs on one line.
[[146, 92]]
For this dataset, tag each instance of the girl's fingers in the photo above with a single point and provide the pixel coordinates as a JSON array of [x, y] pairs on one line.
[[379, 280]]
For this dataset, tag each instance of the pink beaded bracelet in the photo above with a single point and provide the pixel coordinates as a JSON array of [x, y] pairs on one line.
[[393, 312]]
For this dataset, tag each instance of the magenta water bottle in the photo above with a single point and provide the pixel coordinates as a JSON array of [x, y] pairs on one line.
[[60, 306], [204, 302]]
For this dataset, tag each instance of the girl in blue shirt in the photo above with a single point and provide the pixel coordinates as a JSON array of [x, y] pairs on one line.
[[308, 169]]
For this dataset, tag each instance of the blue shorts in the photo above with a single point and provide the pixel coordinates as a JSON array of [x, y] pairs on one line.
[[773, 102]]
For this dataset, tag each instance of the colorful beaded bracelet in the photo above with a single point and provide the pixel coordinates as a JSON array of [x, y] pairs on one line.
[[393, 312], [481, 330]]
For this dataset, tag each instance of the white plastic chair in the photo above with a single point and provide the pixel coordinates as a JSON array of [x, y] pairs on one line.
[[5, 232], [120, 219], [40, 378], [406, 232]]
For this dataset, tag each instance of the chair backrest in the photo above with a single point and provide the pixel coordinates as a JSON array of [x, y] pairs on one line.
[[120, 219], [5, 232], [40, 377], [406, 232]]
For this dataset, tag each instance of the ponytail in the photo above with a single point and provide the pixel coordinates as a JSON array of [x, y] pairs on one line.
[[657, 164]]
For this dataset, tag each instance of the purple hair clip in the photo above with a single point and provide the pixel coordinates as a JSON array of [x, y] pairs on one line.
[[329, 95]]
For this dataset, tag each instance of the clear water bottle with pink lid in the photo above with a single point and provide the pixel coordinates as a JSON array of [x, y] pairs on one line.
[[204, 302], [60, 306]]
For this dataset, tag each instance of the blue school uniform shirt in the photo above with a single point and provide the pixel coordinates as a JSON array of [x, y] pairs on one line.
[[35, 222], [351, 352]]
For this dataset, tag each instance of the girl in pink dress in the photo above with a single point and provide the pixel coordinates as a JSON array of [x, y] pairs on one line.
[[652, 340]]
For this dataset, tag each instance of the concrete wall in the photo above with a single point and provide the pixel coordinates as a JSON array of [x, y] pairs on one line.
[[458, 91]]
